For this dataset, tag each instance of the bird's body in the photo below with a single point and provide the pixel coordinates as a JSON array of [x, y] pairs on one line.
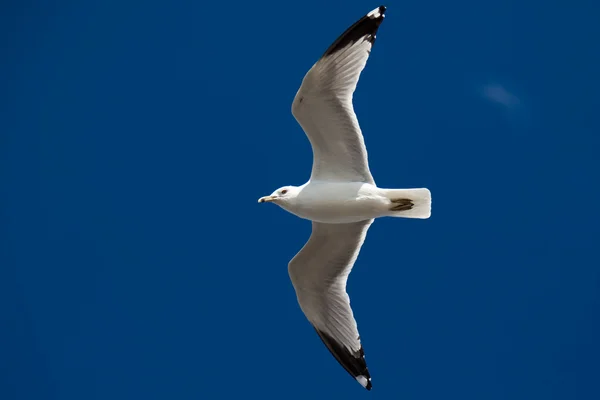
[[338, 202], [341, 197], [342, 202]]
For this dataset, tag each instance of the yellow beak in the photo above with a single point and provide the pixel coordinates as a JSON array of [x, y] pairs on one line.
[[266, 199]]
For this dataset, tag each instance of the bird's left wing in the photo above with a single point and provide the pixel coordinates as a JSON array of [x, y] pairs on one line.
[[319, 273], [323, 105]]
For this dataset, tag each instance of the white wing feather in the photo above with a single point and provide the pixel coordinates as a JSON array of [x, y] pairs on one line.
[[323, 105], [319, 273]]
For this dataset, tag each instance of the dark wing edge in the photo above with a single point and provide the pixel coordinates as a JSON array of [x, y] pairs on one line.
[[355, 363], [366, 27]]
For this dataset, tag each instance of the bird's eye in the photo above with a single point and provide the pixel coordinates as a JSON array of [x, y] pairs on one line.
[[284, 191]]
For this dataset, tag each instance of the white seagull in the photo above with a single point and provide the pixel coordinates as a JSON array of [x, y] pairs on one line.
[[340, 198]]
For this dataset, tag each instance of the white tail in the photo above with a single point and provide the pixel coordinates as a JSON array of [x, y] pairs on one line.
[[409, 203]]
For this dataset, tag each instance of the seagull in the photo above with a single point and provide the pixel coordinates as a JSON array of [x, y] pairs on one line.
[[341, 197]]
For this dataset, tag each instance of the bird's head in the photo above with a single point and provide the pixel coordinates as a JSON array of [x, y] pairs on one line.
[[282, 196]]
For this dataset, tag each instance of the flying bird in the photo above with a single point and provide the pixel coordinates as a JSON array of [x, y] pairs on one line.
[[341, 197]]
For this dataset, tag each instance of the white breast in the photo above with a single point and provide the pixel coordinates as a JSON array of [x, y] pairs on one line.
[[339, 202]]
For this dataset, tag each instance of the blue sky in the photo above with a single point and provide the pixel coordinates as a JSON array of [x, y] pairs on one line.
[[136, 137]]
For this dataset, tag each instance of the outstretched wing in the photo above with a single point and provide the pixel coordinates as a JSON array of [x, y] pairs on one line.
[[323, 104], [319, 273]]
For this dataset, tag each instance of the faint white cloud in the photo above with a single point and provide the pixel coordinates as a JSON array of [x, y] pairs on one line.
[[517, 109], [499, 94]]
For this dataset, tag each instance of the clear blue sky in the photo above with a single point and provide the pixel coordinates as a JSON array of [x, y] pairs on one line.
[[136, 137]]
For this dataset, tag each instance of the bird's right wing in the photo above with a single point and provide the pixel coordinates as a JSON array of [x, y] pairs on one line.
[[319, 273], [323, 105]]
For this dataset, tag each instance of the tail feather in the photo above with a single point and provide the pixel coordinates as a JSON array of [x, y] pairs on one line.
[[409, 203]]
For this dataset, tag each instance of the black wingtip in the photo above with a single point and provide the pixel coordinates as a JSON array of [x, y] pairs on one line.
[[366, 28], [382, 10], [353, 362]]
